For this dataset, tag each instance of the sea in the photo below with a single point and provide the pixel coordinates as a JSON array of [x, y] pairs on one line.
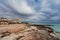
[[56, 27]]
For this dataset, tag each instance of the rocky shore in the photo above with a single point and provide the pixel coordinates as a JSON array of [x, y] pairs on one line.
[[28, 32], [15, 30]]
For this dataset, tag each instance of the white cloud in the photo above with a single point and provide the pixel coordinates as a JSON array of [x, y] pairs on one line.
[[4, 7], [57, 2], [38, 16], [21, 6], [45, 6]]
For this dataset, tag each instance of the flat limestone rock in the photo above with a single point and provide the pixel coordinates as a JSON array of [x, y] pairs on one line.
[[10, 37]]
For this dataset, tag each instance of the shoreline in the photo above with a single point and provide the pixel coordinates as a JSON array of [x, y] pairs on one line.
[[16, 30]]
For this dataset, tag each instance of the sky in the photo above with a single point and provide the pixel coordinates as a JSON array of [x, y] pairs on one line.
[[38, 11]]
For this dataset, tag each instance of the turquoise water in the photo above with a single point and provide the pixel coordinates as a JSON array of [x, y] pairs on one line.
[[56, 27]]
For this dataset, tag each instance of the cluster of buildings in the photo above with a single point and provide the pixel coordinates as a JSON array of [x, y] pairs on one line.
[[9, 21]]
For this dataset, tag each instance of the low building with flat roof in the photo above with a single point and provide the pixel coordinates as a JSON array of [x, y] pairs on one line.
[[4, 21]]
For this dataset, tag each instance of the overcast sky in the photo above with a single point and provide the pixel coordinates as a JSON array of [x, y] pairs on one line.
[[40, 11]]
